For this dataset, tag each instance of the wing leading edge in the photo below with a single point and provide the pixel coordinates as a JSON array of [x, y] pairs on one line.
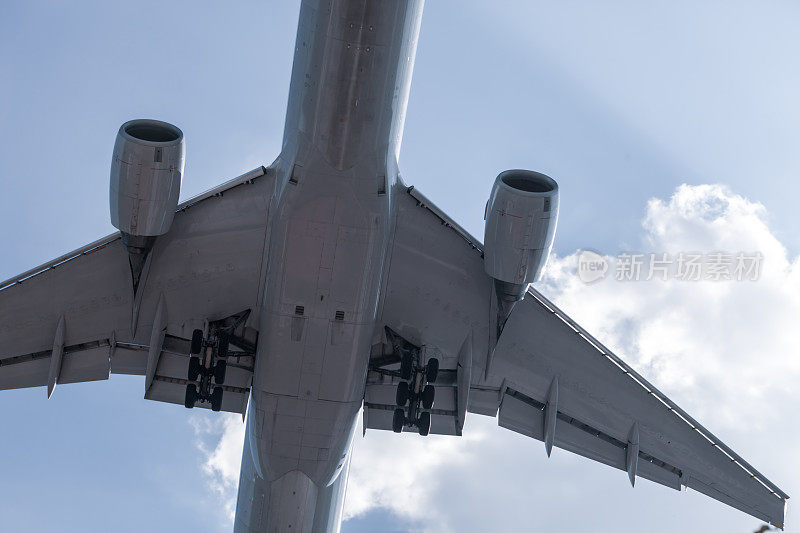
[[547, 378]]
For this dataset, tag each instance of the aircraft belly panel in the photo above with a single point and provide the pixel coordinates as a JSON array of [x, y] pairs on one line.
[[329, 243]]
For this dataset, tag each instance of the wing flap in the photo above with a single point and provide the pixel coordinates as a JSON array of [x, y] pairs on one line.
[[30, 373], [130, 360], [170, 381], [526, 416], [89, 362], [88, 365], [483, 401], [379, 416], [234, 400]]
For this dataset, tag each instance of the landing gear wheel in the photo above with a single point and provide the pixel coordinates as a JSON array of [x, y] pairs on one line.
[[406, 366], [191, 396], [428, 394], [216, 399], [219, 371], [431, 370], [224, 341], [398, 420], [424, 423], [402, 394], [194, 368], [197, 341]]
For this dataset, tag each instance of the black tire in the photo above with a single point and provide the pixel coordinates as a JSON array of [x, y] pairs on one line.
[[432, 370], [194, 368], [406, 366], [219, 371], [197, 341], [216, 399], [224, 342], [398, 420], [401, 398], [191, 396], [428, 395], [424, 423]]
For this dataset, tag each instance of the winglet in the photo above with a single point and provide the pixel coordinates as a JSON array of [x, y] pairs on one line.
[[550, 415], [55, 358], [632, 459]]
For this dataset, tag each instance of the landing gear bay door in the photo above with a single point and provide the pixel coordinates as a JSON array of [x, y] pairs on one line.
[[102, 310], [533, 368]]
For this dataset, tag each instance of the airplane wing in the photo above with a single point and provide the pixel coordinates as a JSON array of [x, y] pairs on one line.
[[546, 377], [77, 318]]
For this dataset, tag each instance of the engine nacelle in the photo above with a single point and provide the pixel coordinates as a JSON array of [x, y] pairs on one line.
[[146, 172], [521, 218]]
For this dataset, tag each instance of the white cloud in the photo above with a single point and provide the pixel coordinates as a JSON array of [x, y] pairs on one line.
[[397, 472], [219, 440], [726, 351], [691, 336]]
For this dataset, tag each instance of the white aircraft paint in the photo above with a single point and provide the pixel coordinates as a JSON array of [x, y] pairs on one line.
[[329, 239]]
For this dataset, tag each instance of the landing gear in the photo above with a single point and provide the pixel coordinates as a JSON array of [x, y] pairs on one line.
[[398, 420], [219, 371], [197, 341], [402, 394], [207, 368], [416, 390], [432, 370], [223, 343], [424, 423], [191, 395], [194, 368], [216, 399], [406, 365], [428, 395]]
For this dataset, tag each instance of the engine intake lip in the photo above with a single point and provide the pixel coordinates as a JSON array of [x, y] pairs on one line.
[[528, 182], [151, 132]]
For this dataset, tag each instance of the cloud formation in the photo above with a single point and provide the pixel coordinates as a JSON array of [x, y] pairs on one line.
[[699, 336], [219, 440], [724, 350]]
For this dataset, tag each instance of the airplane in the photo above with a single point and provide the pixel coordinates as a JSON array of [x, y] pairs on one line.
[[322, 288]]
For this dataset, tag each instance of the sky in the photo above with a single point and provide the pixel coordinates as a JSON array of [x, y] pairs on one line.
[[670, 127]]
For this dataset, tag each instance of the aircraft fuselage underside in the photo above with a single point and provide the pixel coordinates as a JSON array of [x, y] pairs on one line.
[[329, 235]]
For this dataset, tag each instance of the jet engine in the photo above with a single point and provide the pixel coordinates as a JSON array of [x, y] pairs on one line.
[[521, 218], [146, 172]]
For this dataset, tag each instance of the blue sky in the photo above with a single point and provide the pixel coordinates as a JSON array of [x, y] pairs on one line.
[[620, 103]]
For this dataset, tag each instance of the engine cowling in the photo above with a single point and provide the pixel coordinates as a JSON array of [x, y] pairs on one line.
[[146, 172], [521, 218]]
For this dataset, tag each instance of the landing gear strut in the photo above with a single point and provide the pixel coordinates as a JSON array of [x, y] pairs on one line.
[[207, 367], [416, 392]]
